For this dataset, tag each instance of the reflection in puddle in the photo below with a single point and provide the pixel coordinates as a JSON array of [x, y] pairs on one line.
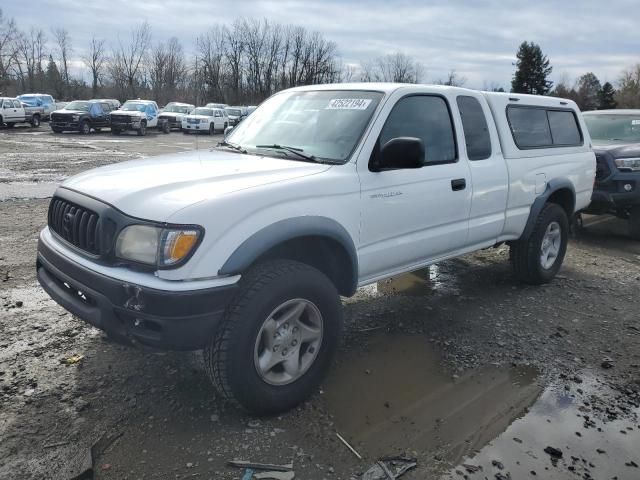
[[591, 447], [404, 400], [435, 278]]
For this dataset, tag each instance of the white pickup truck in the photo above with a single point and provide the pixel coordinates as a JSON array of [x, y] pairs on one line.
[[245, 250], [13, 111]]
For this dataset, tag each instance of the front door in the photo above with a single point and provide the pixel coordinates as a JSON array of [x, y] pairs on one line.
[[413, 216]]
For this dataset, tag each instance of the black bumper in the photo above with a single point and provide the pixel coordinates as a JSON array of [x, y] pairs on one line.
[[63, 125], [615, 191], [129, 313]]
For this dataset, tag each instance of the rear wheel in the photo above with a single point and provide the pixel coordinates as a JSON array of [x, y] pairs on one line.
[[35, 121], [56, 130], [85, 128], [166, 128], [10, 125], [634, 222], [212, 129], [277, 338], [537, 259], [115, 131]]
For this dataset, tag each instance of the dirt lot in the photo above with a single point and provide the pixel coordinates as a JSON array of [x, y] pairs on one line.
[[458, 365]]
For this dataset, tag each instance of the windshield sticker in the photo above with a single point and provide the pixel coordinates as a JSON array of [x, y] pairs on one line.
[[348, 104], [635, 122]]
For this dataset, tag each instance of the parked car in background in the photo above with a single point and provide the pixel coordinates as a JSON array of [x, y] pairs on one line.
[[40, 100], [13, 111], [216, 105], [251, 109], [245, 250], [616, 141], [205, 119], [236, 115], [81, 116], [173, 113], [138, 116]]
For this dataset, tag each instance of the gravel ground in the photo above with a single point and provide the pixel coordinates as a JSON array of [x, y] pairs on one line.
[[458, 365]]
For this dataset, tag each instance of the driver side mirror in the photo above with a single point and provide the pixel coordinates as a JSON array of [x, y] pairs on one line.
[[400, 153]]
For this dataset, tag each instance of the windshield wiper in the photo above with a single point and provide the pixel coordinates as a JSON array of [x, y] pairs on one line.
[[232, 146], [298, 152]]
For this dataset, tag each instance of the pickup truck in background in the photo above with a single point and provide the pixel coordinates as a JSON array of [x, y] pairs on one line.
[[616, 142], [244, 250], [46, 102], [81, 116], [13, 111], [138, 116]]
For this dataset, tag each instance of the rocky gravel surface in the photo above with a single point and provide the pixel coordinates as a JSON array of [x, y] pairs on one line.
[[462, 336]]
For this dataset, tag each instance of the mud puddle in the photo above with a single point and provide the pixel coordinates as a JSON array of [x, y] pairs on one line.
[[590, 426], [395, 397], [437, 278]]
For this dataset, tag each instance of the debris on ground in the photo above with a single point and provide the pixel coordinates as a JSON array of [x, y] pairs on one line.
[[73, 359], [554, 452], [390, 468], [353, 450], [260, 466]]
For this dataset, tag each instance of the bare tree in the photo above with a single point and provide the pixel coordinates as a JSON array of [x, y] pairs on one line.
[[63, 43], [628, 93], [453, 79], [210, 63], [95, 60], [234, 55], [30, 57], [395, 67], [167, 70], [128, 61], [8, 49]]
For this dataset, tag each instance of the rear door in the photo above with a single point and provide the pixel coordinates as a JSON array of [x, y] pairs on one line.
[[489, 175]]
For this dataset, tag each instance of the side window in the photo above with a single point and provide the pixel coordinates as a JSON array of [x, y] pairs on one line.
[[425, 117], [17, 104], [476, 130], [564, 128], [530, 127], [537, 127], [105, 107]]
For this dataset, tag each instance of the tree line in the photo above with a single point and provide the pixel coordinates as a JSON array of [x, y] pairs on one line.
[[246, 62], [533, 69]]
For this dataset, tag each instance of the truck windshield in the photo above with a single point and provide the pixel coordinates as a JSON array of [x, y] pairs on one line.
[[78, 106], [614, 128], [177, 109], [29, 100], [324, 124], [233, 111], [134, 107]]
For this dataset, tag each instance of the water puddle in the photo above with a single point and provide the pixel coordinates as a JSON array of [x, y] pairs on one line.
[[596, 431], [437, 278], [394, 396]]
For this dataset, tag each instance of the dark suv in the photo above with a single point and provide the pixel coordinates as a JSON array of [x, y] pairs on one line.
[[81, 116], [616, 141]]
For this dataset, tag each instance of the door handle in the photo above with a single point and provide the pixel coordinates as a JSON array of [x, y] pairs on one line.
[[458, 184]]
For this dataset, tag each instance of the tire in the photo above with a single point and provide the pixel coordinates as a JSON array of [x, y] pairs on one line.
[[166, 128], [115, 131], [142, 130], [35, 121], [634, 222], [230, 357], [10, 125], [212, 129], [527, 254], [85, 127], [56, 130]]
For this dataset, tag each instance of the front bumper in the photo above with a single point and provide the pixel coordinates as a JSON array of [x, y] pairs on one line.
[[125, 124], [615, 190], [129, 313], [65, 124]]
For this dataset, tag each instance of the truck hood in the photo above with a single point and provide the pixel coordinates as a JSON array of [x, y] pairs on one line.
[[195, 117], [155, 188], [133, 113], [69, 112], [618, 150]]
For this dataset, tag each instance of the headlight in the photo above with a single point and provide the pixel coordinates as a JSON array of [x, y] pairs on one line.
[[628, 163], [159, 246]]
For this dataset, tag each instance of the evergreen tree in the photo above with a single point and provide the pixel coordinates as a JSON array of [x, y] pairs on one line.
[[606, 97], [54, 79], [532, 71], [588, 92]]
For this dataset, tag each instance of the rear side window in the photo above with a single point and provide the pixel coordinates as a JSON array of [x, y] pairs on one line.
[[534, 127], [476, 130], [425, 117], [17, 104]]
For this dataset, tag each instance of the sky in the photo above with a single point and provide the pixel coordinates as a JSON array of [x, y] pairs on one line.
[[477, 39]]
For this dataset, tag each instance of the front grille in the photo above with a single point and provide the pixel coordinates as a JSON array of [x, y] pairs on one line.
[[60, 117], [77, 225], [168, 118], [121, 118], [602, 167]]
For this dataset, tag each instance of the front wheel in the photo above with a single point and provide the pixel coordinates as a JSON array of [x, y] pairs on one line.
[[85, 128], [212, 129], [634, 222], [35, 121], [10, 125], [537, 259], [277, 337], [142, 129]]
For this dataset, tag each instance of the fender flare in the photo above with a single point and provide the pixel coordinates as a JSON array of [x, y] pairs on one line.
[[553, 186], [263, 240]]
